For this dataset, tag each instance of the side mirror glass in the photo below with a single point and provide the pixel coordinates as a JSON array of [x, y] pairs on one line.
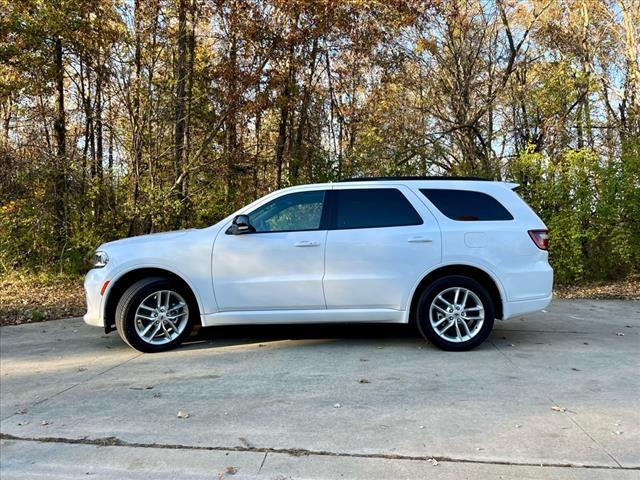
[[241, 225]]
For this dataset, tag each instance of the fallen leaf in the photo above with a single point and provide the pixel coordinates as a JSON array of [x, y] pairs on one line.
[[620, 334], [44, 422], [618, 432], [433, 461], [183, 414], [518, 426], [364, 380], [336, 405], [556, 408], [231, 470], [143, 387]]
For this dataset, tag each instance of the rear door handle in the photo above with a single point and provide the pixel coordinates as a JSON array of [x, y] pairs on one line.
[[419, 240], [306, 243]]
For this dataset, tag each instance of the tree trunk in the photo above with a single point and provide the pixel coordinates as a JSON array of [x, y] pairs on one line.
[[285, 106], [299, 151], [191, 45], [135, 120], [181, 82], [59, 125]]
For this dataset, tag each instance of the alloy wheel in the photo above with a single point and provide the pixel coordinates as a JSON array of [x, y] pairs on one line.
[[456, 314], [161, 317]]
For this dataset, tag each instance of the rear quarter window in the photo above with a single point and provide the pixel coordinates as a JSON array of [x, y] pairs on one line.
[[466, 205]]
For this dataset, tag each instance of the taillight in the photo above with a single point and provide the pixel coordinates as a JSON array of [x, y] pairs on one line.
[[540, 238]]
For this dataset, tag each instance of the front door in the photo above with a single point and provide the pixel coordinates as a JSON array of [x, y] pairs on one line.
[[278, 267]]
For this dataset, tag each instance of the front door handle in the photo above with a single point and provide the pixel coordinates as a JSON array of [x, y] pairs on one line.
[[419, 240], [306, 243]]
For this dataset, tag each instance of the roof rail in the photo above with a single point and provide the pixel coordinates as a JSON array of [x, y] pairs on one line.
[[379, 179]]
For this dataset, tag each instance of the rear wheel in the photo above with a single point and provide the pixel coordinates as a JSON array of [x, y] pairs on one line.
[[455, 313], [155, 314]]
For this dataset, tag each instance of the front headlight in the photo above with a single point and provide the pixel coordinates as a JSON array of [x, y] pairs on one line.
[[100, 259]]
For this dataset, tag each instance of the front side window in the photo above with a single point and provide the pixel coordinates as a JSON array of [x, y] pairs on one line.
[[374, 208], [292, 212], [466, 205]]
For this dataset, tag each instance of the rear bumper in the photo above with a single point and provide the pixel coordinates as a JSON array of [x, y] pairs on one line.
[[529, 289], [514, 309]]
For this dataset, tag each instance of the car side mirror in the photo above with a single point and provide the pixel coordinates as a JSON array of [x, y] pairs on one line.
[[241, 225]]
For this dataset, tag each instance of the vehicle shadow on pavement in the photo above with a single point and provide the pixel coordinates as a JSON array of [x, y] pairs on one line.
[[224, 336], [529, 333]]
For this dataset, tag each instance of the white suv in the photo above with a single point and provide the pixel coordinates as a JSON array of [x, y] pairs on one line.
[[450, 254]]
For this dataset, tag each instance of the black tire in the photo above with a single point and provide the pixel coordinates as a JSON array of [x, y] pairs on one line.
[[442, 284], [131, 300]]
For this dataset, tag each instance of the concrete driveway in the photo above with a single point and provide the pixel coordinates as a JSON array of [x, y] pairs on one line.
[[553, 395]]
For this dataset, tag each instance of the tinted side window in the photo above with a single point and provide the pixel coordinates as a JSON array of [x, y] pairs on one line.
[[373, 207], [293, 212], [465, 205]]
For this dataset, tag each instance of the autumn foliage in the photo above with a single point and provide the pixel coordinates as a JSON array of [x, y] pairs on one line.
[[123, 118]]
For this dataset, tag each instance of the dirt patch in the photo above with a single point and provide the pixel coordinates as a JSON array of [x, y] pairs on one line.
[[31, 298], [628, 289]]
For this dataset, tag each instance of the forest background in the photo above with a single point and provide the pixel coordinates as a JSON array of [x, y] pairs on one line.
[[124, 117]]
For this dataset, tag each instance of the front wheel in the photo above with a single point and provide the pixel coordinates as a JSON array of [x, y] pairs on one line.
[[155, 314], [455, 313]]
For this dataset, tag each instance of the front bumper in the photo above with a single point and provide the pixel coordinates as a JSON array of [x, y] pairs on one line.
[[93, 283]]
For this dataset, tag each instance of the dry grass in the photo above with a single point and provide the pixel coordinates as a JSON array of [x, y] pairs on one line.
[[34, 298], [26, 298]]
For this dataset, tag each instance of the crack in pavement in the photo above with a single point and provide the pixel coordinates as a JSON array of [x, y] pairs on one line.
[[264, 459], [300, 452], [565, 413], [41, 401]]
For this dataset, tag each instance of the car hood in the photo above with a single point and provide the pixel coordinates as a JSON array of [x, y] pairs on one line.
[[141, 239]]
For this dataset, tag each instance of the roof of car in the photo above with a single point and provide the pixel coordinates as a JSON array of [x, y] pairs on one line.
[[406, 178]]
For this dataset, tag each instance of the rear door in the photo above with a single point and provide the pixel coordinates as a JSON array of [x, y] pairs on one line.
[[381, 241]]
